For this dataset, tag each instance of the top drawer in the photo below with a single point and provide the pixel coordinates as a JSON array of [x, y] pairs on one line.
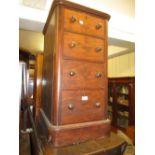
[[84, 23]]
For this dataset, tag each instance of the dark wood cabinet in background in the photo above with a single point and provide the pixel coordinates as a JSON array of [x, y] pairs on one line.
[[38, 83], [29, 59], [121, 101], [27, 68]]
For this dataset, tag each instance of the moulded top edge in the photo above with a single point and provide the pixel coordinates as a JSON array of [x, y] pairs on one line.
[[73, 6]]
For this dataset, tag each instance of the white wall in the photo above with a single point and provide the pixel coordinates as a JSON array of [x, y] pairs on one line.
[[31, 41], [122, 65]]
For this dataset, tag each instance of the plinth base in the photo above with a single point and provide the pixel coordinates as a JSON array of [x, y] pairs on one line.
[[63, 135]]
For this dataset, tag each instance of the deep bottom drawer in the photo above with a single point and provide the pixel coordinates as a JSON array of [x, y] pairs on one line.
[[82, 106]]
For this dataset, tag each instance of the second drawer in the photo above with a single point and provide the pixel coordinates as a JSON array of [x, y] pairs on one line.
[[82, 47]]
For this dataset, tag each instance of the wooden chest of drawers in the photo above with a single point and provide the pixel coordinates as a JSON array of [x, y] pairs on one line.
[[74, 100]]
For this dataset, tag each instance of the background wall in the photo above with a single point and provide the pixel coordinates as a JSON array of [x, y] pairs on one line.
[[123, 65], [31, 41]]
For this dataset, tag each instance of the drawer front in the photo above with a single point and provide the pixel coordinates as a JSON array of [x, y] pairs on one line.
[[80, 75], [82, 106], [81, 22], [82, 47]]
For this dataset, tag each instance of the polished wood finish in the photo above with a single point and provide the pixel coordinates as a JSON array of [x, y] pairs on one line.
[[107, 145], [74, 75], [84, 23], [51, 69], [86, 75], [77, 134], [38, 83], [74, 110], [75, 7], [71, 133], [82, 47]]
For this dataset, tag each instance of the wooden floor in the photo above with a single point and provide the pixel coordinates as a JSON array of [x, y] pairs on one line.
[[25, 147], [111, 145]]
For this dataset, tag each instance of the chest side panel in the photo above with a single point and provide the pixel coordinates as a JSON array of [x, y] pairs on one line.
[[49, 66]]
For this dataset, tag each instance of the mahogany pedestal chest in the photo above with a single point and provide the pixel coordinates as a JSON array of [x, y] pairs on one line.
[[74, 99]]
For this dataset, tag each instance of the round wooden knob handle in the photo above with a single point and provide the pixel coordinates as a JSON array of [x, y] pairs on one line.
[[72, 44], [98, 26], [72, 73], [73, 19], [98, 74], [71, 106], [98, 49]]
